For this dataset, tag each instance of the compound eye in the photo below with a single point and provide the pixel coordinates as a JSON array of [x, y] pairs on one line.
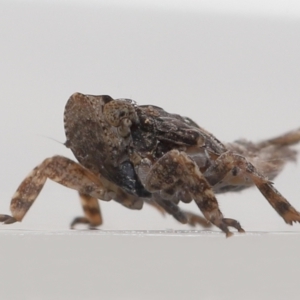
[[122, 114], [118, 110]]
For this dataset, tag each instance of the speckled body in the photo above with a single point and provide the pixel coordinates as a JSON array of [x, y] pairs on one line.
[[135, 154], [97, 144]]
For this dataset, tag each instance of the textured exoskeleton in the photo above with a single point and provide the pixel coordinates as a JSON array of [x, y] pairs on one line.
[[135, 154]]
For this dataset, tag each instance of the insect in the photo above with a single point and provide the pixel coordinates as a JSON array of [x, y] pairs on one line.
[[142, 154]]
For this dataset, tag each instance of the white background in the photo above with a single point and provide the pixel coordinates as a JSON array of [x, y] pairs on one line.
[[234, 68]]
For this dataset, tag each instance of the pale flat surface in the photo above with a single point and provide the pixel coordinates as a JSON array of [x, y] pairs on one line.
[[148, 265]]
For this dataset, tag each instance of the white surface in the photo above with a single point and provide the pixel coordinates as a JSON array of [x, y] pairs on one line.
[[235, 71], [115, 265]]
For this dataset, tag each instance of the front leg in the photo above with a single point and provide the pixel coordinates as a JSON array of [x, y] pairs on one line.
[[92, 213], [66, 172], [176, 172]]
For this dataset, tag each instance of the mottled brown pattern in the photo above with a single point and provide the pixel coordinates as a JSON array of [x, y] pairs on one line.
[[91, 210], [278, 202], [142, 154]]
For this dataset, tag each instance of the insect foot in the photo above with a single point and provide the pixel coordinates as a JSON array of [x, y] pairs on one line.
[[6, 219]]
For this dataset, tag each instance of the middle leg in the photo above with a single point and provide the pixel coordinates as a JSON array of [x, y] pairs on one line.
[[176, 172]]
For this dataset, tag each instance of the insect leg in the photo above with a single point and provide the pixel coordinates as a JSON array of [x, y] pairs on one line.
[[180, 215], [176, 172], [277, 201], [287, 139], [61, 170], [194, 219], [91, 208], [239, 166], [165, 203], [171, 208]]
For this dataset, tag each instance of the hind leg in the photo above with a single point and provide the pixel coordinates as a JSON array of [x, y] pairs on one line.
[[287, 139], [241, 168]]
